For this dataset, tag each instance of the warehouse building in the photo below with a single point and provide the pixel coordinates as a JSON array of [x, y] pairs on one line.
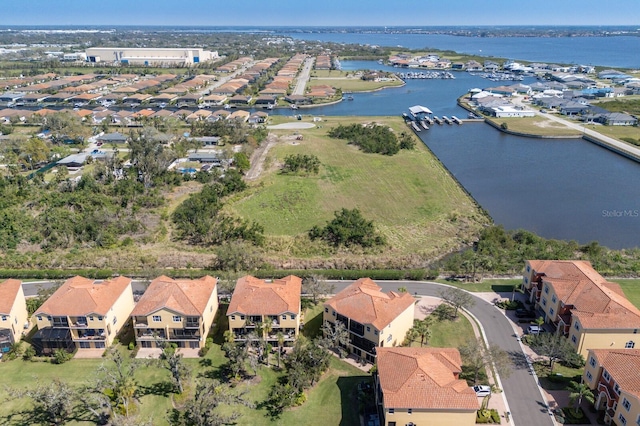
[[149, 56]]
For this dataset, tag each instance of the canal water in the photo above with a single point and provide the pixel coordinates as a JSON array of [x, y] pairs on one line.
[[558, 188]]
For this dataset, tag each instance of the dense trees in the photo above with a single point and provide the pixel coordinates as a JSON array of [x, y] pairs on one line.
[[348, 228], [372, 138], [308, 164]]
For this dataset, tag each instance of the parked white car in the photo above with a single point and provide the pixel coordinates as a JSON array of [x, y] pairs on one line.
[[482, 390]]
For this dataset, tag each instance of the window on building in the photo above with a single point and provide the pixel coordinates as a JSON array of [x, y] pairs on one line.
[[90, 317], [242, 317], [544, 302], [368, 329], [326, 310], [156, 318], [39, 318], [4, 318], [605, 375], [177, 318], [551, 311], [626, 404], [546, 289], [623, 421], [589, 376], [526, 280], [391, 424], [392, 410], [554, 299], [99, 345], [616, 389], [233, 317], [409, 410], [576, 326], [630, 344], [592, 361], [375, 332], [333, 313], [390, 337], [99, 317], [293, 316], [574, 339], [115, 320], [528, 268]]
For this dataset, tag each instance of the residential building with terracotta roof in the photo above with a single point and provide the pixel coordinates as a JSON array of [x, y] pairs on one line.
[[13, 313], [266, 307], [578, 302], [83, 314], [374, 319], [422, 386], [176, 311], [614, 377]]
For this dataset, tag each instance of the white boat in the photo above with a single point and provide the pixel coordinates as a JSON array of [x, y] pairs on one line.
[[293, 106]]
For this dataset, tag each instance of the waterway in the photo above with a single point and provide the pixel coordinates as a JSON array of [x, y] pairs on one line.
[[605, 51], [561, 188]]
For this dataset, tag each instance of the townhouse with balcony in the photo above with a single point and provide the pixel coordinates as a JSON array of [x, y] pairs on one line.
[[422, 386], [266, 308], [374, 319], [612, 375], [179, 312], [83, 314], [578, 302], [13, 314]]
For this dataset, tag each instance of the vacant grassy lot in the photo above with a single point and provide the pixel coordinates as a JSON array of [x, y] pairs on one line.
[[631, 289], [617, 132], [353, 84], [537, 125], [410, 197], [451, 334]]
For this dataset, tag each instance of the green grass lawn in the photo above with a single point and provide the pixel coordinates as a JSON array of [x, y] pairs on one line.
[[631, 289], [449, 334], [536, 126], [563, 375], [410, 197]]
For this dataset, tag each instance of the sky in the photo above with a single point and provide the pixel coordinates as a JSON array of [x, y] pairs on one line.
[[319, 12]]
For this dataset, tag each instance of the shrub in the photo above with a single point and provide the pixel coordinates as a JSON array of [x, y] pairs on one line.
[[60, 356], [29, 353], [131, 346]]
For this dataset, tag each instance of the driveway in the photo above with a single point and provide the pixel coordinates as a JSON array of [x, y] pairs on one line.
[[527, 405]]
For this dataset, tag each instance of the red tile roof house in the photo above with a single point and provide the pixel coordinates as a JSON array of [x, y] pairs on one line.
[[13, 313], [614, 377], [374, 319], [422, 386], [176, 311], [83, 314], [273, 306]]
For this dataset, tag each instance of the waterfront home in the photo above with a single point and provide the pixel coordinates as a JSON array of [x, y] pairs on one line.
[[503, 111], [13, 314], [422, 386], [373, 318], [267, 308], [83, 314], [579, 303], [618, 119], [612, 375], [178, 312]]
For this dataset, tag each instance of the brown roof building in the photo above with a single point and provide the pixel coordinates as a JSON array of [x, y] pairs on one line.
[[267, 307], [177, 311], [374, 318], [423, 386]]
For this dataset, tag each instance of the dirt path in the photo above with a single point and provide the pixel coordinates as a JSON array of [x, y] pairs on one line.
[[259, 156]]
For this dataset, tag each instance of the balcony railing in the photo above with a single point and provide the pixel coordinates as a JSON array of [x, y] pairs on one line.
[[192, 324], [185, 336], [140, 324], [151, 334]]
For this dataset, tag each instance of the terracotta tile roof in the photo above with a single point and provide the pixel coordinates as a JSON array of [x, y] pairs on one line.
[[80, 296], [424, 378], [253, 296], [363, 301], [186, 297], [8, 292], [623, 365], [596, 302]]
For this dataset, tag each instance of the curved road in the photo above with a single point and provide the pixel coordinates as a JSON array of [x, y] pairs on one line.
[[528, 408]]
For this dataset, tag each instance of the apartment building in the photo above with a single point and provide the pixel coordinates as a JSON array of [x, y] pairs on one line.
[[613, 376], [422, 386], [176, 311], [83, 314], [266, 308], [578, 302], [13, 314], [374, 319]]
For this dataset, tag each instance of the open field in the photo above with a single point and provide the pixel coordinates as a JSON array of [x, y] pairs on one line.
[[353, 84], [631, 289], [410, 197], [535, 126]]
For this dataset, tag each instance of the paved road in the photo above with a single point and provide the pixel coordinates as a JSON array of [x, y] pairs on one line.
[[525, 400], [303, 76]]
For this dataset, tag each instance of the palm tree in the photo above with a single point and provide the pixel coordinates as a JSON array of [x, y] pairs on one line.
[[578, 392], [422, 329], [280, 337]]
